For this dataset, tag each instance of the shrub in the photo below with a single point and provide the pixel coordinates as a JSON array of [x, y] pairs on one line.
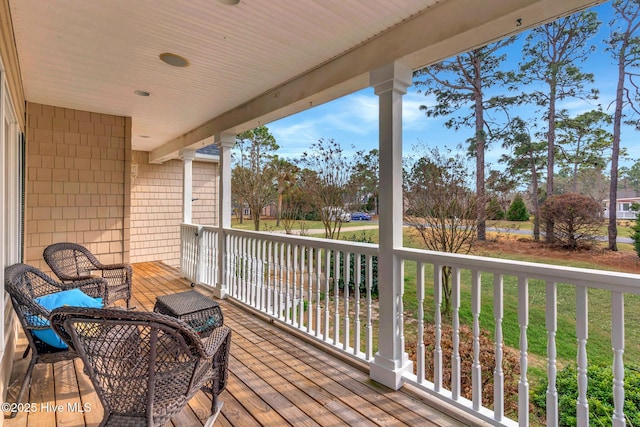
[[518, 210], [494, 210], [576, 218], [635, 236], [599, 395]]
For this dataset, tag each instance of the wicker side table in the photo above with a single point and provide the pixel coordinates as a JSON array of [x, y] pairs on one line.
[[201, 312]]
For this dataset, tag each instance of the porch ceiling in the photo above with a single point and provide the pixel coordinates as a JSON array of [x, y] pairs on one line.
[[254, 62]]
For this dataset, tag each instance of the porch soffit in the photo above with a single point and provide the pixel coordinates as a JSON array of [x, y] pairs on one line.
[[249, 64]]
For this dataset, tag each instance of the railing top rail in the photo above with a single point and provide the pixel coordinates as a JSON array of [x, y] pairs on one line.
[[609, 280], [316, 242], [190, 225]]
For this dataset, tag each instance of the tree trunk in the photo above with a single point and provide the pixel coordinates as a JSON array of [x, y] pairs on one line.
[[480, 147], [279, 213], [615, 149], [446, 290], [551, 141], [255, 215], [536, 202]]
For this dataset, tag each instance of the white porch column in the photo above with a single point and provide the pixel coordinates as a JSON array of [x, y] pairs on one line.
[[187, 185], [390, 83], [226, 142]]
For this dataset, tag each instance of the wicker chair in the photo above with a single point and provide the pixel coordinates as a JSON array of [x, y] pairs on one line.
[[144, 366], [24, 283], [70, 261]]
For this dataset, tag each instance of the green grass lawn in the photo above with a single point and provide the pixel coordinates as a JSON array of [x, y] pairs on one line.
[[599, 342]]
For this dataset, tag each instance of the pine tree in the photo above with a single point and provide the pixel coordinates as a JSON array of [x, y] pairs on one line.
[[518, 211], [635, 235]]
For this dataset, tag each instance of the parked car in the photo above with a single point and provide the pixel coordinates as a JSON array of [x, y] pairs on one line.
[[360, 216], [338, 213]]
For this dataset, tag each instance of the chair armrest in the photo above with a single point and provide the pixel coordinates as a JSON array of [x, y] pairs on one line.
[[100, 266], [213, 342]]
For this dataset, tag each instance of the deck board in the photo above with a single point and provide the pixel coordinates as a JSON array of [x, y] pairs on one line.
[[275, 379]]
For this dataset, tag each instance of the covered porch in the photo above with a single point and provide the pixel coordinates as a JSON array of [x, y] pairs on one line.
[[275, 379], [72, 175]]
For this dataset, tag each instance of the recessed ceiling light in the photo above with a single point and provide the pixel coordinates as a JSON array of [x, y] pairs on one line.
[[143, 136], [173, 59], [229, 2], [141, 93]]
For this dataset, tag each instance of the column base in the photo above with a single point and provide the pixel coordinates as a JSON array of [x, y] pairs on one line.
[[389, 372], [220, 292]]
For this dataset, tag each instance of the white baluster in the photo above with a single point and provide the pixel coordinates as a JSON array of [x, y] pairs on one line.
[[245, 270], [281, 280], [264, 275], [420, 356], [437, 351], [455, 354], [294, 286], [303, 255], [240, 267], [582, 333], [476, 368], [270, 285], [617, 341], [552, 326], [327, 273], [357, 327], [318, 271], [523, 321], [253, 258], [498, 374], [346, 280], [369, 327], [287, 277], [336, 296], [231, 250], [310, 311]]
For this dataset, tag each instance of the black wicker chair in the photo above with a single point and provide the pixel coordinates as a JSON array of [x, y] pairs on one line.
[[71, 261], [144, 366], [24, 284]]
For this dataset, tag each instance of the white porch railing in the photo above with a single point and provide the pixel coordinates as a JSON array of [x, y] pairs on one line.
[[199, 257], [308, 284], [300, 281]]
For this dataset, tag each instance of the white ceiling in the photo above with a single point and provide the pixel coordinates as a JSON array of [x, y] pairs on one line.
[[93, 54]]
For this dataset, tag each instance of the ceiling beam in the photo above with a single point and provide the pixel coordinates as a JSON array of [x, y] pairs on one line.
[[444, 30]]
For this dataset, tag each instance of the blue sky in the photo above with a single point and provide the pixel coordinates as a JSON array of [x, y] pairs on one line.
[[353, 120]]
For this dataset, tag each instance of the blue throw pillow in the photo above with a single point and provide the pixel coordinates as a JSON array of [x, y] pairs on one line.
[[71, 297]]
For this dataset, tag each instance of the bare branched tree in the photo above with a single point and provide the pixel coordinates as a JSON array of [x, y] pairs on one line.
[[441, 206], [328, 183]]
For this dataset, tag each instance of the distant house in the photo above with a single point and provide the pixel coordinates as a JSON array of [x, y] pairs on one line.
[[623, 207]]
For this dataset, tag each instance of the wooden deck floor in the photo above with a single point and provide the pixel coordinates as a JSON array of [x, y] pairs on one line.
[[275, 379]]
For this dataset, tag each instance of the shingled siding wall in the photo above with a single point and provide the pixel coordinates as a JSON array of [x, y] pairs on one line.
[[156, 206], [76, 182]]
